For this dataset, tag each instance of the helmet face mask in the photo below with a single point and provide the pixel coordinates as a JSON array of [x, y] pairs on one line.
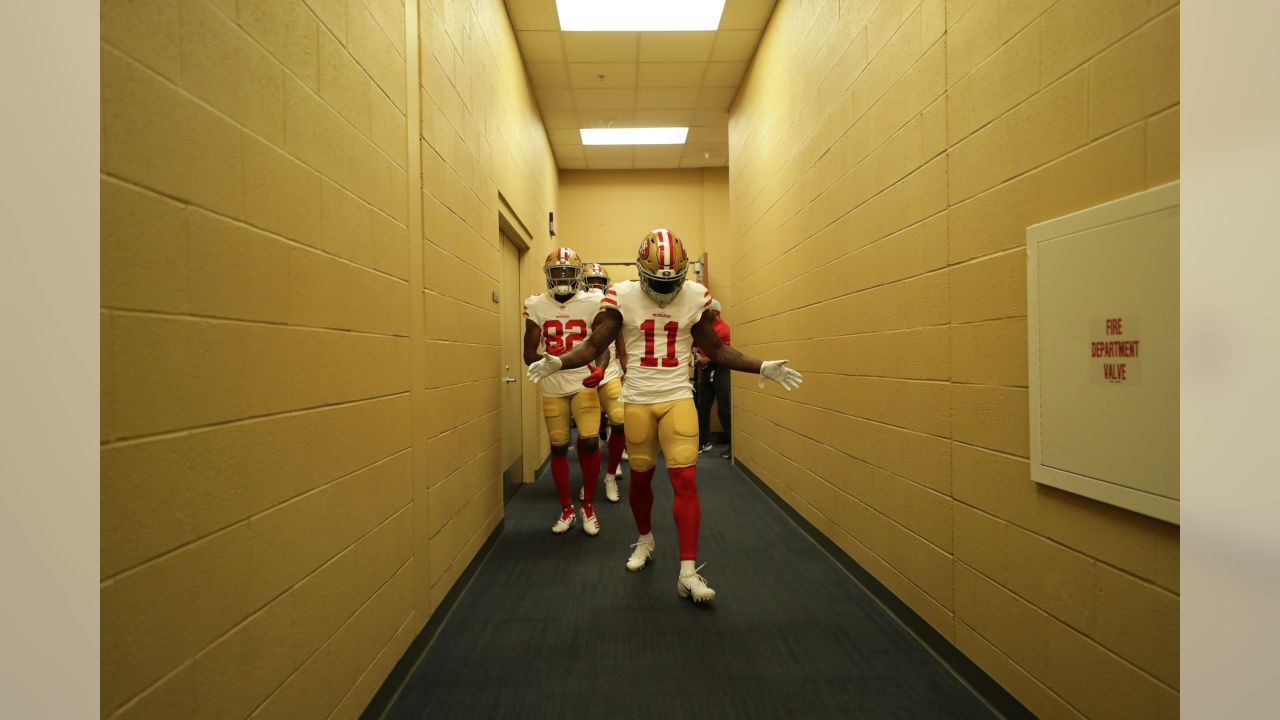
[[563, 269], [665, 287], [662, 264]]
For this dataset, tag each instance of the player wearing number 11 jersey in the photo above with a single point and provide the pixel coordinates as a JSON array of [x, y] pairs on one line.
[[659, 317], [558, 319]]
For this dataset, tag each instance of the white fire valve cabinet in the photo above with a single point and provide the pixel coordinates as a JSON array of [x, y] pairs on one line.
[[1102, 325]]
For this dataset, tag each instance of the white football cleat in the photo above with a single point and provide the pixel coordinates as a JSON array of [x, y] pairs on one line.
[[567, 518], [611, 488], [640, 555], [590, 523], [695, 586]]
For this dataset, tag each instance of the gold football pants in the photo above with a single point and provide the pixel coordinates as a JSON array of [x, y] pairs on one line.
[[583, 406], [609, 400], [671, 425]]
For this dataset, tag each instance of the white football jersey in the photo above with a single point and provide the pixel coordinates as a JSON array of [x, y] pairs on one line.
[[659, 340], [563, 326]]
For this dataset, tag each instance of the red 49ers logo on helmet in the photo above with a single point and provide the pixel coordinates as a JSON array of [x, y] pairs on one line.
[[644, 249]]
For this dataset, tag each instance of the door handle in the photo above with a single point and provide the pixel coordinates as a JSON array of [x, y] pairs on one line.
[[508, 379]]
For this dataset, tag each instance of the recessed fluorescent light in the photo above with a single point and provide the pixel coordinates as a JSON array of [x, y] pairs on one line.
[[614, 15], [634, 136]]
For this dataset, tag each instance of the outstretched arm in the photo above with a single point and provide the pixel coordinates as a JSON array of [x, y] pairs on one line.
[[732, 358], [621, 349], [603, 332], [721, 354], [602, 360], [532, 336]]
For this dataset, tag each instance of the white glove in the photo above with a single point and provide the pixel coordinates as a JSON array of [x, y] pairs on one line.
[[546, 367], [777, 371]]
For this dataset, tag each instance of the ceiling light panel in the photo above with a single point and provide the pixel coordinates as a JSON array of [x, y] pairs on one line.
[[651, 15], [634, 136]]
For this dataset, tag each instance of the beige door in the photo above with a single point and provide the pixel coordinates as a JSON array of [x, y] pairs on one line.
[[512, 323]]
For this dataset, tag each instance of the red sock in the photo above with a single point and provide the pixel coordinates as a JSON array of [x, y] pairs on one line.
[[686, 509], [590, 463], [560, 473], [640, 493], [617, 443]]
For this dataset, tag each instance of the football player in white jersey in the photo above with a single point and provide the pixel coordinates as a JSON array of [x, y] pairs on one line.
[[659, 316], [597, 278], [559, 319]]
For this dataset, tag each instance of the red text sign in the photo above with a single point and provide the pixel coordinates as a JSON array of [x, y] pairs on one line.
[[1114, 351]]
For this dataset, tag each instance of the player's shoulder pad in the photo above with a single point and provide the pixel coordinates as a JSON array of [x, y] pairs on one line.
[[617, 291]]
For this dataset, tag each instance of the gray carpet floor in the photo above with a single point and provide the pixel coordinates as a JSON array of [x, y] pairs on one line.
[[555, 627]]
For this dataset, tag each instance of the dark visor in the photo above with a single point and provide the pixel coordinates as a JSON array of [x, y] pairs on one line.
[[662, 287]]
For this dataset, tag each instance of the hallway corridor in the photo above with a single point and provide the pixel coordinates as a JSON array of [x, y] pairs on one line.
[[551, 625], [337, 235]]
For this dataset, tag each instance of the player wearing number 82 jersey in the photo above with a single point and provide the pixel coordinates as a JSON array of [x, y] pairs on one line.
[[559, 319], [660, 317]]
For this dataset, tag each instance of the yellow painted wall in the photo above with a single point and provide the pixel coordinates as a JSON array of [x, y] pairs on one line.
[[885, 160], [299, 347], [604, 214]]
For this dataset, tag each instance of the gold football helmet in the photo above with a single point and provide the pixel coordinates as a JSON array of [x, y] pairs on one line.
[[662, 264], [595, 277], [563, 269]]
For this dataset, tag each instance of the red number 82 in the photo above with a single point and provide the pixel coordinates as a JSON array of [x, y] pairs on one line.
[[560, 337]]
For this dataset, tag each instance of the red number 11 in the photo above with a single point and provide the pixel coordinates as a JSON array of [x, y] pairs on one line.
[[649, 360]]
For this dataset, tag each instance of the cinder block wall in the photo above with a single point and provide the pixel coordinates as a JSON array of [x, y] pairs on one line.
[[885, 160], [299, 348]]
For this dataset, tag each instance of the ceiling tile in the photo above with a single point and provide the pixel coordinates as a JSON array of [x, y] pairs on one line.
[[565, 136], [704, 135], [657, 74], [614, 117], [647, 163], [603, 99], [698, 150], [565, 152], [572, 163], [724, 74], [716, 98], [554, 99], [538, 14], [734, 45], [653, 117], [610, 164], [587, 75], [659, 151], [702, 162], [548, 75], [676, 46], [666, 98], [743, 14], [560, 119], [540, 46], [600, 46], [597, 152], [707, 116]]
